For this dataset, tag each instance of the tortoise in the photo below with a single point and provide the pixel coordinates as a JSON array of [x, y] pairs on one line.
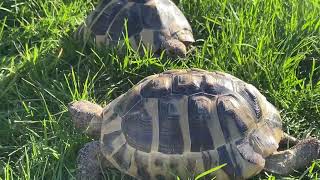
[[156, 24], [183, 122]]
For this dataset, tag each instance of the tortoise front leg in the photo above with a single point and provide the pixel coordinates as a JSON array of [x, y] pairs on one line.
[[295, 158], [90, 162]]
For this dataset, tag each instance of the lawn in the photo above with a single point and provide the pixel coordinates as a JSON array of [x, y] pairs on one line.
[[274, 45]]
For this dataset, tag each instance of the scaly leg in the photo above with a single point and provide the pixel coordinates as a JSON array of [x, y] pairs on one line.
[[91, 162]]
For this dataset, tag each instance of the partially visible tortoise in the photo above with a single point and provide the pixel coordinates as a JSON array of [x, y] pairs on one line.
[[157, 24], [183, 122]]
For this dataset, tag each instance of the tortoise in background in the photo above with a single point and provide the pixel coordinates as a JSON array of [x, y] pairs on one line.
[[157, 24], [184, 122]]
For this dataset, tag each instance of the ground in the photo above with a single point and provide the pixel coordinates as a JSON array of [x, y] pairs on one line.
[[274, 45]]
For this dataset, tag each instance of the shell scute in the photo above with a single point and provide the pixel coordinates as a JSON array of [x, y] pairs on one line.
[[229, 113], [170, 134], [187, 84], [151, 18], [137, 127], [123, 157], [199, 113], [217, 85], [130, 16], [102, 19], [157, 87], [128, 100]]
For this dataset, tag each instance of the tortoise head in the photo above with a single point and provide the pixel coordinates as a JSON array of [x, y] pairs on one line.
[[176, 45], [86, 116]]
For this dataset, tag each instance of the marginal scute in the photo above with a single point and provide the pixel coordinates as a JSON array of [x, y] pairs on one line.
[[108, 140], [141, 161], [175, 71], [123, 157], [191, 164], [129, 99], [224, 158], [160, 177], [207, 160]]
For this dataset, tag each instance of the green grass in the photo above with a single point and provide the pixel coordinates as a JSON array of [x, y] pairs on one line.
[[274, 45]]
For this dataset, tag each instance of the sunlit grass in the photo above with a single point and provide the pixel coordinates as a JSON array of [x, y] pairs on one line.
[[274, 45]]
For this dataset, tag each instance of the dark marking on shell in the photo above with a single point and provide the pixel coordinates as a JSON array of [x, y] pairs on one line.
[[238, 171], [198, 113], [108, 139], [135, 25], [150, 17], [224, 157], [131, 98], [156, 88], [158, 162], [174, 166], [112, 117], [105, 19], [137, 128], [158, 39], [186, 84], [207, 160], [141, 160], [247, 152], [117, 30], [254, 104], [123, 157], [214, 88], [228, 115], [170, 135]]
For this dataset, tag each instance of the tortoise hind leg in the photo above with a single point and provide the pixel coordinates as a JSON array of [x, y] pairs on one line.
[[90, 162], [297, 157]]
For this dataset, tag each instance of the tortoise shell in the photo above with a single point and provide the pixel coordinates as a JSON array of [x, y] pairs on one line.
[[148, 22], [187, 121]]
